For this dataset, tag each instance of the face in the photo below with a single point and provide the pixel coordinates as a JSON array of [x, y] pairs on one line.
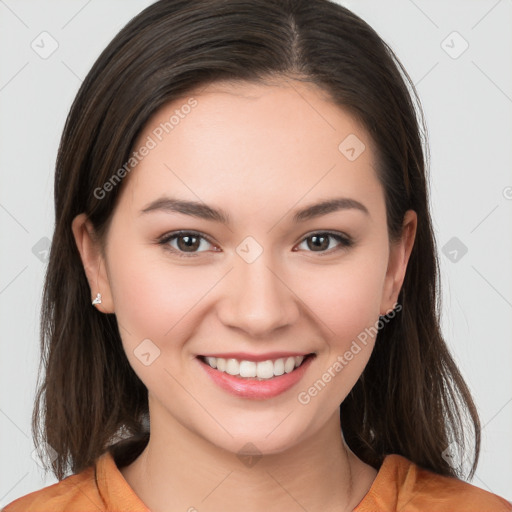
[[242, 273]]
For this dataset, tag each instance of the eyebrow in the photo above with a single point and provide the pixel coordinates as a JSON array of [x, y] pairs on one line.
[[203, 211]]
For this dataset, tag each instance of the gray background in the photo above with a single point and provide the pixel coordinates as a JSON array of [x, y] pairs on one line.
[[467, 98]]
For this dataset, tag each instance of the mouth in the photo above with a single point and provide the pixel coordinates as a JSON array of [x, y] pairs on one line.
[[246, 369], [256, 377]]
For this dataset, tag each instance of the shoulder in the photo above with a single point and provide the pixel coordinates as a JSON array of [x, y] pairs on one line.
[[402, 485], [74, 492], [100, 487]]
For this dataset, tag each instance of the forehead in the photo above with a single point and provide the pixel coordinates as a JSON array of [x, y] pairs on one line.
[[257, 144]]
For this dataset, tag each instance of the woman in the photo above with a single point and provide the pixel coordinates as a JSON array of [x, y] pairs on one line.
[[243, 243]]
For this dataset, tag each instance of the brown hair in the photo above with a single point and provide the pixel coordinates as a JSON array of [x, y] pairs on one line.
[[411, 398]]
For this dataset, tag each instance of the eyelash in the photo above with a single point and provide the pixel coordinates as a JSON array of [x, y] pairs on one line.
[[345, 242]]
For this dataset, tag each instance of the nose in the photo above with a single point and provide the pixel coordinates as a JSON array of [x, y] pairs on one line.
[[257, 299]]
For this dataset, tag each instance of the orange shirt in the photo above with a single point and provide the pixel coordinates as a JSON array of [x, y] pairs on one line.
[[399, 485]]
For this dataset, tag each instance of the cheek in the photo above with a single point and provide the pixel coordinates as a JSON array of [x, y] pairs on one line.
[[155, 298], [345, 297], [160, 302], [344, 301]]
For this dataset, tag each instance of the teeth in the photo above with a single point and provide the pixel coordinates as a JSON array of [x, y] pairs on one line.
[[246, 369], [212, 361], [250, 369]]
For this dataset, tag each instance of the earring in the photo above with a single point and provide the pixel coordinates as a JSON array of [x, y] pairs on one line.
[[97, 300]]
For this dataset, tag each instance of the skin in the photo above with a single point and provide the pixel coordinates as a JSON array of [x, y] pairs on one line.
[[259, 152]]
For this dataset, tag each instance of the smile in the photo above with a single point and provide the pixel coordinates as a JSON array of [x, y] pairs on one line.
[[256, 380], [261, 370]]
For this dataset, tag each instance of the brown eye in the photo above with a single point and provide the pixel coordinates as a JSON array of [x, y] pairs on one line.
[[188, 243], [318, 242], [321, 242], [185, 243]]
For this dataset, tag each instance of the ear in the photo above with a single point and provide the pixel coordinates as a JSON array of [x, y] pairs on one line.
[[400, 252], [93, 262]]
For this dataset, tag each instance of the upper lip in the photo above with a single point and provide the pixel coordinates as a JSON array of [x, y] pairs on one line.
[[244, 356]]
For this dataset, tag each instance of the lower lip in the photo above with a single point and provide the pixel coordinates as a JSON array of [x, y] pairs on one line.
[[253, 388]]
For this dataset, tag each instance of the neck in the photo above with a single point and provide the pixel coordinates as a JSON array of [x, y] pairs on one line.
[[179, 470]]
